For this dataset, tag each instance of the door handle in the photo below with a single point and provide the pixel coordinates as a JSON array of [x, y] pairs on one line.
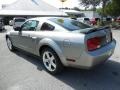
[[34, 37]]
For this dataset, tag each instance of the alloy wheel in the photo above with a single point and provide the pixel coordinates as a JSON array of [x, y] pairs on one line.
[[49, 61], [9, 43]]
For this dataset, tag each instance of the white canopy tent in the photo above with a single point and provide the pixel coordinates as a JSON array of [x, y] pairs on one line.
[[30, 13], [30, 8]]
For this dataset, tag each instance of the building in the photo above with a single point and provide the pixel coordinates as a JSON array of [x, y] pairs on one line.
[[91, 14]]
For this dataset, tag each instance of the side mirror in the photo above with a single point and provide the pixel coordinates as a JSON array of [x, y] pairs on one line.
[[17, 29]]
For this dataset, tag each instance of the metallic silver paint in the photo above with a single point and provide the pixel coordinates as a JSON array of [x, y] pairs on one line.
[[67, 45]]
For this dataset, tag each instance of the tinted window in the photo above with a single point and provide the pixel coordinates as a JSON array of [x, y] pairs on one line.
[[69, 24], [109, 19], [19, 20], [30, 25], [86, 19], [47, 27], [77, 15], [96, 19]]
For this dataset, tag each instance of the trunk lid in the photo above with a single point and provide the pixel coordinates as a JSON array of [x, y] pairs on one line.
[[96, 38]]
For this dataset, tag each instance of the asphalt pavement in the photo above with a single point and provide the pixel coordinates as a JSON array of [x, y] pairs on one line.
[[21, 71]]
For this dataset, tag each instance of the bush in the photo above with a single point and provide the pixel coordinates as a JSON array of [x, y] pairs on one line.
[[115, 25], [103, 23]]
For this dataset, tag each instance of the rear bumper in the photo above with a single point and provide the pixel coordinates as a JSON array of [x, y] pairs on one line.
[[91, 59]]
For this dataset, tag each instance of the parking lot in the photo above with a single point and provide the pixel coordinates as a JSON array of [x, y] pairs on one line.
[[21, 71]]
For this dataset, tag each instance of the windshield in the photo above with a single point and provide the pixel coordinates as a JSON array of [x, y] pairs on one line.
[[69, 24]]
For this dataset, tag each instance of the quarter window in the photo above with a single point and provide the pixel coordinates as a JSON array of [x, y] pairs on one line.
[[47, 27]]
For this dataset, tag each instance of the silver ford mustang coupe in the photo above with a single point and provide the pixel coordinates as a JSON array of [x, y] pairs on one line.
[[61, 41]]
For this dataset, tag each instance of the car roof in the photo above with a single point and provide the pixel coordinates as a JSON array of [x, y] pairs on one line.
[[45, 18]]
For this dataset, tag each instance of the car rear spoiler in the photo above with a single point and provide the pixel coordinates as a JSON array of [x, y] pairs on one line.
[[91, 30]]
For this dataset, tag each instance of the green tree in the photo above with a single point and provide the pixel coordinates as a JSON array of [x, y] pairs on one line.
[[92, 3], [104, 3], [76, 8], [113, 8]]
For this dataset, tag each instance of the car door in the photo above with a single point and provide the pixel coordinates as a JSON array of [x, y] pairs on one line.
[[27, 38]]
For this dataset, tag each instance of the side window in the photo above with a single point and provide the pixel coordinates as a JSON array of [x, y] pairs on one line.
[[30, 25], [47, 27]]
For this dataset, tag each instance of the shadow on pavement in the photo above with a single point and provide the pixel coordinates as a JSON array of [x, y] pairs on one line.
[[31, 58], [105, 77]]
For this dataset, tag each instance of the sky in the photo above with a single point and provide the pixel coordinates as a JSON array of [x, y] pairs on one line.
[[56, 3]]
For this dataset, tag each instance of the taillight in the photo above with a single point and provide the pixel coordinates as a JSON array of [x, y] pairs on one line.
[[94, 43]]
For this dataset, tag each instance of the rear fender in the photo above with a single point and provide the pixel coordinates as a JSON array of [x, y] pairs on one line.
[[54, 46]]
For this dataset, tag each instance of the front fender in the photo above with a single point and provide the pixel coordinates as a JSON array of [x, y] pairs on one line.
[[54, 46]]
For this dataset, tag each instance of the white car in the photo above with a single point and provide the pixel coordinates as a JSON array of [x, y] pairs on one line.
[[17, 22]]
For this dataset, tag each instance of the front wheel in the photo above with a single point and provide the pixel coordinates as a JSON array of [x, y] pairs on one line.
[[51, 61], [9, 44]]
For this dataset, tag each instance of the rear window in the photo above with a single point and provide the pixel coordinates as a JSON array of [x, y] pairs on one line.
[[69, 24]]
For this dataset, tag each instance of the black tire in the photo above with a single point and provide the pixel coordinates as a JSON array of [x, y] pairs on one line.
[[59, 65], [11, 48], [0, 30]]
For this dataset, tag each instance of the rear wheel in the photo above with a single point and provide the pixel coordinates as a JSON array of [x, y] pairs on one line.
[[0, 29], [9, 44], [51, 61]]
